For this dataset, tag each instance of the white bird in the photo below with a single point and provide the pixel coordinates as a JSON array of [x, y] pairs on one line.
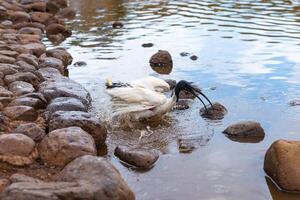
[[150, 82], [137, 103]]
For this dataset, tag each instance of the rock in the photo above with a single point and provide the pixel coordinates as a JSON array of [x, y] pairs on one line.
[[28, 101], [282, 164], [7, 59], [66, 13], [80, 64], [8, 69], [102, 178], [184, 54], [36, 6], [40, 17], [56, 39], [217, 112], [37, 96], [36, 48], [30, 24], [5, 100], [19, 17], [3, 184], [64, 87], [21, 113], [52, 7], [188, 143], [294, 103], [60, 54], [137, 157], [15, 178], [28, 58], [17, 149], [22, 76], [9, 53], [24, 66], [64, 104], [5, 93], [52, 62], [61, 146], [4, 123], [117, 25], [181, 105], [194, 57], [31, 130], [50, 74], [147, 45], [60, 3], [20, 88], [161, 62], [54, 29], [245, 129], [30, 31], [86, 121]]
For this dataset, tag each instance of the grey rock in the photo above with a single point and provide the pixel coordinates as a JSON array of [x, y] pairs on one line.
[[21, 88], [28, 101], [52, 62]]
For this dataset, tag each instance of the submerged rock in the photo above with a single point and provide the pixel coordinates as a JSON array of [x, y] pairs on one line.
[[194, 57], [217, 112], [147, 45], [140, 158], [282, 163], [184, 54], [84, 120], [117, 25], [162, 62], [181, 105], [17, 149], [61, 146], [294, 103], [245, 130]]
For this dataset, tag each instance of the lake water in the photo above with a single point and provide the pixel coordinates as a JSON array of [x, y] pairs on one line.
[[248, 50]]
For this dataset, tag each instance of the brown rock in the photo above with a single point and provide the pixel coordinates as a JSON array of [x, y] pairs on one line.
[[20, 88], [29, 24], [217, 112], [31, 130], [4, 123], [41, 17], [7, 59], [59, 3], [5, 100], [25, 67], [22, 76], [86, 121], [28, 101], [36, 48], [17, 149], [56, 39], [30, 31], [19, 17], [21, 113], [117, 25], [61, 146], [54, 29], [5, 93], [137, 157], [60, 54], [52, 62], [28, 38], [9, 53], [66, 13], [8, 69], [36, 6], [245, 129], [161, 62], [282, 164], [181, 105], [100, 177], [17, 177]]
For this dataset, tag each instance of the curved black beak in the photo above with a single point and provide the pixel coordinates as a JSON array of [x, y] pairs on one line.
[[194, 91]]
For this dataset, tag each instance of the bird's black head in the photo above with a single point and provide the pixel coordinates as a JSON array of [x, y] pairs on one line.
[[184, 85]]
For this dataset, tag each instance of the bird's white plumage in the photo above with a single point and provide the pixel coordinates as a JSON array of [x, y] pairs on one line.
[[151, 83]]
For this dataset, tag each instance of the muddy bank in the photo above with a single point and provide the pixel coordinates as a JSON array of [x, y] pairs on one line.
[[46, 129]]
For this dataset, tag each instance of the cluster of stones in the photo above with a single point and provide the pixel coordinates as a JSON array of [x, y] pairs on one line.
[[43, 114]]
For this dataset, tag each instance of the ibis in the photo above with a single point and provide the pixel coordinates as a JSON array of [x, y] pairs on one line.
[[144, 101]]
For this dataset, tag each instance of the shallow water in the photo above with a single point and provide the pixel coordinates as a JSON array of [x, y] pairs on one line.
[[248, 50]]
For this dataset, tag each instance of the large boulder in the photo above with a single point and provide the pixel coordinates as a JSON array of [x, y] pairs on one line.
[[84, 120], [17, 149], [61, 146], [282, 163]]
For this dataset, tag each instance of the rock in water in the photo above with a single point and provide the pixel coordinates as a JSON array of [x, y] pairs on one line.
[[137, 157], [245, 130], [294, 103], [216, 113], [282, 163], [162, 62], [117, 25], [181, 105], [147, 45]]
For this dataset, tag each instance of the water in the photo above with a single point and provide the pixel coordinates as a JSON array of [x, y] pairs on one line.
[[248, 50]]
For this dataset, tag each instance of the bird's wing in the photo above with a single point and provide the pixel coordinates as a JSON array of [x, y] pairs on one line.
[[151, 83], [132, 99]]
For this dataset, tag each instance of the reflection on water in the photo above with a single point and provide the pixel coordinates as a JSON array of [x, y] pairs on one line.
[[247, 50]]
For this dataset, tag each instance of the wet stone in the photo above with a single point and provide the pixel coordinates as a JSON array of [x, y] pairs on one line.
[[282, 164], [28, 101], [36, 6], [54, 29], [217, 112], [30, 24], [31, 130], [188, 143], [147, 45], [294, 103], [22, 76], [52, 62], [139, 158], [36, 48], [5, 93], [181, 105], [161, 62], [24, 66], [30, 30], [84, 120], [21, 113], [60, 54], [28, 58], [61, 146], [20, 88], [80, 64], [37, 96], [184, 54], [17, 149], [117, 25], [194, 57], [245, 129], [66, 13], [19, 16], [40, 17]]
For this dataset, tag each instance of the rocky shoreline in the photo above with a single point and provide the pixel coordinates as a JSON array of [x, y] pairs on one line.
[[48, 140]]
